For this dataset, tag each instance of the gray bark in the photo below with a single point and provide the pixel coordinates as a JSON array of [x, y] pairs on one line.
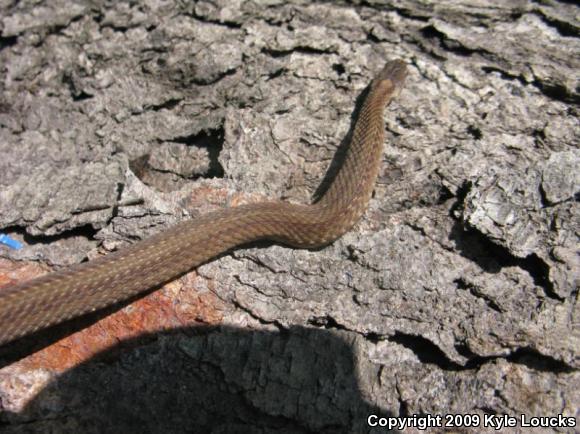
[[456, 294]]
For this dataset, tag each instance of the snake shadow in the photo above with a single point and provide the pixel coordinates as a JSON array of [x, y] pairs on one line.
[[341, 151], [208, 380]]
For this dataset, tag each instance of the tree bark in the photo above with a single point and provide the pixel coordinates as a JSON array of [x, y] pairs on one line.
[[457, 294]]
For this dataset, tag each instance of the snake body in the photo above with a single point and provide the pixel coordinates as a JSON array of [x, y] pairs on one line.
[[55, 297]]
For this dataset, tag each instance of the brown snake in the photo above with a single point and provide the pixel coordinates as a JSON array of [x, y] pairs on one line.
[[62, 295]]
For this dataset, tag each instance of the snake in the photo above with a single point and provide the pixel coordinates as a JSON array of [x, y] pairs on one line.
[[87, 287]]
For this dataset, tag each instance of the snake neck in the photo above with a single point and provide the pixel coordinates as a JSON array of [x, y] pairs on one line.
[[353, 185]]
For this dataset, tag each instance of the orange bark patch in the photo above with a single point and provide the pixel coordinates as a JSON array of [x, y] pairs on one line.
[[12, 272], [207, 198], [174, 306]]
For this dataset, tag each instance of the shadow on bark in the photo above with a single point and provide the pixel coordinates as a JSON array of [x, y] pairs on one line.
[[207, 380]]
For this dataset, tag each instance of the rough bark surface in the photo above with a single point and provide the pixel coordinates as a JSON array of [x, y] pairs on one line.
[[456, 294]]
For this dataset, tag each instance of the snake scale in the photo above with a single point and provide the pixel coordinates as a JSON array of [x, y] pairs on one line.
[[55, 297]]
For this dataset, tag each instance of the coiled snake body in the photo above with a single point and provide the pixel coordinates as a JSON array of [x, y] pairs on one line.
[[62, 295]]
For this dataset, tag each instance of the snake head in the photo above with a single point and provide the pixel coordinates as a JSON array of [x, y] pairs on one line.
[[391, 77]]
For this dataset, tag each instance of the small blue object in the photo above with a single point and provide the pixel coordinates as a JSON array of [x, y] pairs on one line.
[[7, 241]]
